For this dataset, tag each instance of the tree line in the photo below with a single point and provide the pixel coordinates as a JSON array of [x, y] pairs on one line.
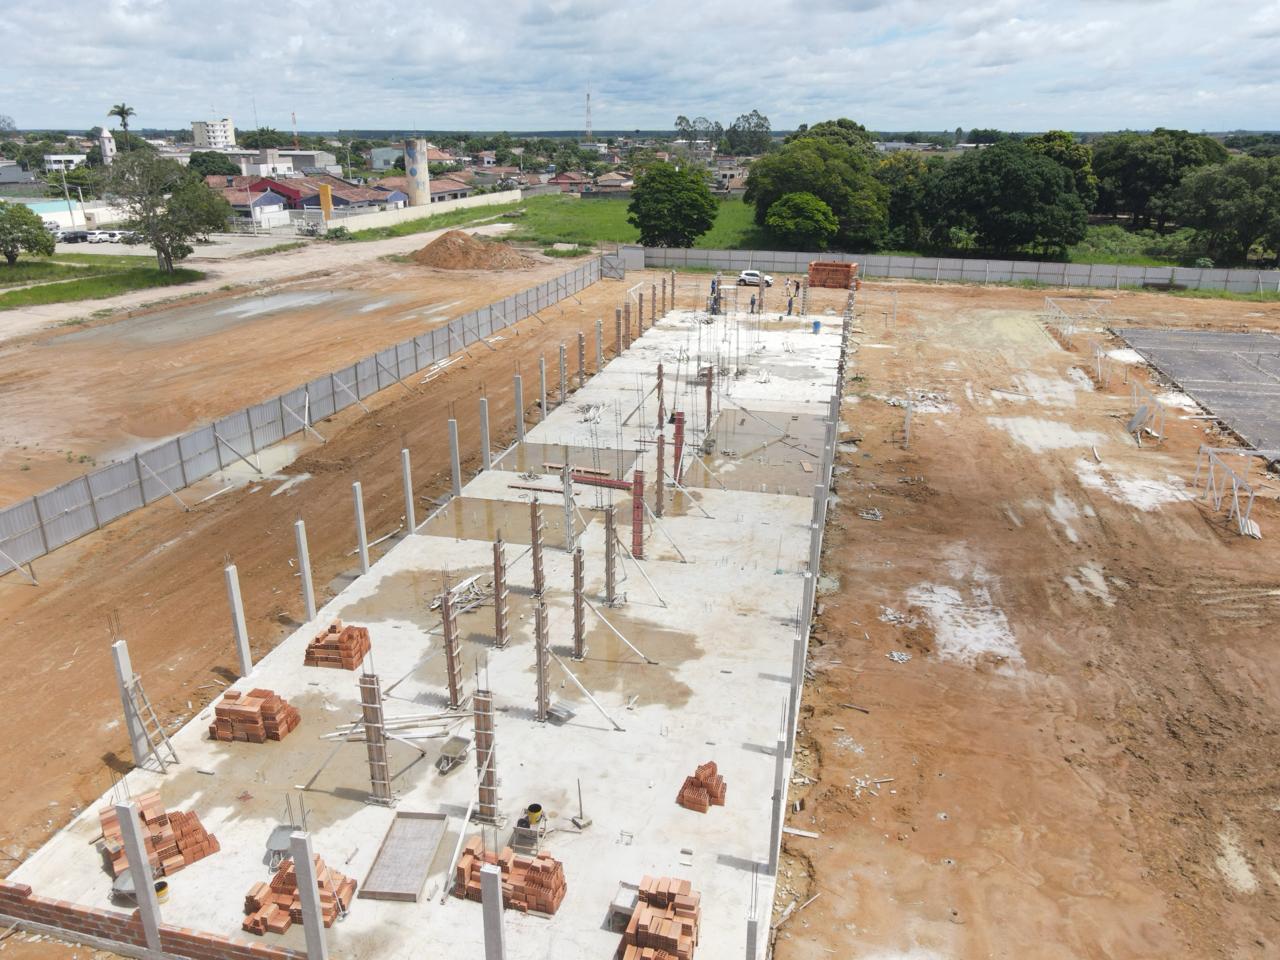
[[827, 187]]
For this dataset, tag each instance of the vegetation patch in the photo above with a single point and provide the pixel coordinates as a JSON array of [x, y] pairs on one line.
[[93, 288]]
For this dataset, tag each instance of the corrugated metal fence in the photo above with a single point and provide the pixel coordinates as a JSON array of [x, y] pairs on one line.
[[34, 527], [1103, 275]]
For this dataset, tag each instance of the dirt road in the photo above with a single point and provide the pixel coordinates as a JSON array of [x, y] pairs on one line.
[[1078, 758], [75, 397]]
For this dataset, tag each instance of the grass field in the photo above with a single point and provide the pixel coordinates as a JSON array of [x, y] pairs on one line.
[[39, 271], [454, 218], [91, 288]]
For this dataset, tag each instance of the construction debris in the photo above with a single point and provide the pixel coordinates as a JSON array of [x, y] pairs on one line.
[[704, 789], [173, 839], [897, 656], [664, 925], [275, 908], [343, 648], [528, 883], [871, 513], [255, 717]]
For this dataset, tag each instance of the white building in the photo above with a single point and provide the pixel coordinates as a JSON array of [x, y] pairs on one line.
[[265, 163], [213, 134], [107, 144], [64, 161]]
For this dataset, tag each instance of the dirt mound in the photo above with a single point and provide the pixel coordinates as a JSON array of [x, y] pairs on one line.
[[456, 250]]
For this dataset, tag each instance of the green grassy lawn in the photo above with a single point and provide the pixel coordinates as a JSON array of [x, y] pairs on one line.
[[92, 288], [39, 271], [453, 218]]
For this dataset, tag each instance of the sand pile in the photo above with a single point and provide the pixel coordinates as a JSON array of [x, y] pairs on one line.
[[456, 250]]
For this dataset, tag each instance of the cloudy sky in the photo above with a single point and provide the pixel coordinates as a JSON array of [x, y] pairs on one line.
[[527, 64]]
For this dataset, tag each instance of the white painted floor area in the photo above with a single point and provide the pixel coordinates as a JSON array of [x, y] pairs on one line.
[[721, 626]]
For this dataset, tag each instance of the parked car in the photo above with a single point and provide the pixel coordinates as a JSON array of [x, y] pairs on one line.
[[754, 278], [52, 226], [99, 236], [76, 236]]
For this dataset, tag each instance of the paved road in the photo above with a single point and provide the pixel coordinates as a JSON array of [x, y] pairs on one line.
[[253, 271]]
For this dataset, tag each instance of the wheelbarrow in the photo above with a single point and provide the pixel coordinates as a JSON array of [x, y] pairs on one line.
[[452, 753]]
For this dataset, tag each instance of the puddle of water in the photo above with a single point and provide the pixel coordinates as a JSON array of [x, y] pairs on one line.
[[473, 518], [525, 457], [748, 453]]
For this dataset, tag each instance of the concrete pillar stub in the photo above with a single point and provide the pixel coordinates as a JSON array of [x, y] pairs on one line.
[[455, 460], [495, 945], [410, 515], [519, 392], [144, 883], [362, 535], [304, 569], [486, 451], [237, 619], [599, 345], [133, 723], [308, 892], [542, 380]]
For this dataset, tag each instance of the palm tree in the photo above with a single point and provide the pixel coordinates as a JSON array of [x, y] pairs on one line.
[[124, 112]]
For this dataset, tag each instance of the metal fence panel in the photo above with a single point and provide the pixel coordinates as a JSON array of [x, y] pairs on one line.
[[385, 368], [267, 424], [161, 467], [20, 537], [199, 453], [320, 397], [116, 490], [234, 431], [66, 512], [293, 406], [344, 388], [366, 377]]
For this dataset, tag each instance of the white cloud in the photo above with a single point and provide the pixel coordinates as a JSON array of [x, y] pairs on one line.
[[912, 64]]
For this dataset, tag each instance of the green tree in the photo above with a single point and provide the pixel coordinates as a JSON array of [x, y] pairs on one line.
[[837, 174], [22, 229], [671, 206], [843, 131], [749, 134], [83, 180], [123, 111], [1232, 205], [1009, 196], [263, 138], [802, 221], [166, 205], [1139, 173], [1062, 148], [208, 162], [987, 135], [7, 129], [905, 175]]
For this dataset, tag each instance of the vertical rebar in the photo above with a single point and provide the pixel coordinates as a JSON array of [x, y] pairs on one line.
[[375, 740], [659, 482], [499, 593], [610, 557], [637, 514], [582, 360], [542, 659], [486, 757], [579, 617], [535, 543], [452, 656]]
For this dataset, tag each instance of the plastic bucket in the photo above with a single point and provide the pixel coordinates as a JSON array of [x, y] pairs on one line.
[[534, 813], [162, 890], [817, 326]]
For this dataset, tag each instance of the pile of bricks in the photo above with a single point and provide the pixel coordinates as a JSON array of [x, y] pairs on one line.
[[343, 648], [274, 907], [829, 273], [528, 883], [703, 790], [255, 717], [172, 839], [665, 923]]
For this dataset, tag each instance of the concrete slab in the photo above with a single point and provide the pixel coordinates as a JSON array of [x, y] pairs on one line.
[[715, 615]]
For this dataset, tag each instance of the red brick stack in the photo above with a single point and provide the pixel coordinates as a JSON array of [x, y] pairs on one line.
[[528, 883], [276, 907], [665, 922], [173, 839], [256, 717], [831, 273], [706, 788], [343, 648]]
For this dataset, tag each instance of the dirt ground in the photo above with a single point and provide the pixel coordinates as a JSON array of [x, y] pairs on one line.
[[1079, 757], [1081, 745], [76, 397]]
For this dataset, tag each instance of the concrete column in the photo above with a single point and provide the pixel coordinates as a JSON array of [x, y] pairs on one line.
[[753, 938], [495, 944], [362, 536], [312, 922], [582, 360], [664, 294], [455, 461], [542, 381], [132, 722], [144, 883], [799, 655], [486, 453], [304, 569], [617, 332], [519, 391], [410, 516], [599, 345], [564, 375], [237, 619], [653, 304], [640, 314], [779, 800]]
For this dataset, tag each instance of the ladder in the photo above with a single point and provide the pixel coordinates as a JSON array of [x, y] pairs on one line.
[[157, 741]]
